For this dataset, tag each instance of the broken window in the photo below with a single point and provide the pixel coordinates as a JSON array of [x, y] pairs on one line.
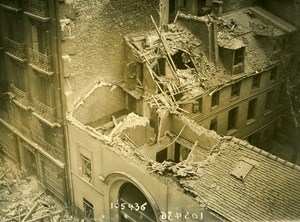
[[86, 166], [215, 99], [251, 109], [133, 205], [88, 210], [162, 155], [181, 153], [213, 125], [182, 60], [197, 106], [239, 56], [235, 89], [273, 74], [269, 101], [256, 81], [232, 118]]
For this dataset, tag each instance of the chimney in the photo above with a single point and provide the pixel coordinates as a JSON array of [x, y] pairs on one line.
[[217, 8]]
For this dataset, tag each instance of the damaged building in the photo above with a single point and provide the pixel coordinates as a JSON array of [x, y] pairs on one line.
[[153, 110]]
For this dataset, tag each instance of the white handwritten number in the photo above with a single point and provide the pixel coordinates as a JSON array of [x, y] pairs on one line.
[[143, 207], [170, 216], [137, 207], [187, 216], [163, 215]]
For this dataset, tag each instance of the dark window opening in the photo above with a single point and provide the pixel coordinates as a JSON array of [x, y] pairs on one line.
[[213, 125], [235, 89], [232, 118], [162, 155], [215, 99], [134, 206], [239, 56], [251, 109], [49, 135], [197, 107], [273, 74], [171, 6], [182, 60], [269, 101], [256, 81], [181, 153], [88, 210]]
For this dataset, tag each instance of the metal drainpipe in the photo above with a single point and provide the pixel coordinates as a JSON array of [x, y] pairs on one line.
[[59, 71]]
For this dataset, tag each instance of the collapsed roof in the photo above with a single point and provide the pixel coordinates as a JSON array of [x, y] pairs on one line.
[[191, 70]]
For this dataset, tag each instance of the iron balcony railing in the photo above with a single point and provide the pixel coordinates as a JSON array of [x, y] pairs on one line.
[[43, 110], [40, 60], [14, 48], [20, 96], [38, 7]]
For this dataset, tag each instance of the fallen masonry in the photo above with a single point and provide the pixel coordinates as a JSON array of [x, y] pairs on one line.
[[23, 199]]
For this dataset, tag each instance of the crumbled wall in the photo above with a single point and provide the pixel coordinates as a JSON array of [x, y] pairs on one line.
[[98, 29]]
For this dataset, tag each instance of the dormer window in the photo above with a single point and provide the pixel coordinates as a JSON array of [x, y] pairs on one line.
[[233, 59]]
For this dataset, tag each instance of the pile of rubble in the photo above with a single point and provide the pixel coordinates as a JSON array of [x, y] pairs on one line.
[[23, 199]]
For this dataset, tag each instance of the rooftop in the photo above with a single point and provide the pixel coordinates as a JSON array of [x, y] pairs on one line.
[[196, 73], [238, 181]]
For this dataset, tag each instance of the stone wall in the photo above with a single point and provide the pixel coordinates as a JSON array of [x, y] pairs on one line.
[[95, 41]]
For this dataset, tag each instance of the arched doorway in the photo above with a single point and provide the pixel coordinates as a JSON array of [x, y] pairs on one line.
[[134, 206]]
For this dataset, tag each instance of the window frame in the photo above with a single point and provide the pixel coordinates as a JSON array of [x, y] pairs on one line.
[[86, 171], [238, 56], [256, 81], [269, 101], [273, 74], [234, 127], [252, 106], [215, 101], [235, 89], [88, 208], [197, 106]]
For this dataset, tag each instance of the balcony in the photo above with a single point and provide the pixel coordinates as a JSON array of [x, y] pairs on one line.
[[13, 5], [40, 62], [37, 9], [15, 50], [44, 112], [20, 98]]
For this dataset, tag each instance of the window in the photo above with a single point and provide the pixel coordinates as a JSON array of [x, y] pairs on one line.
[[269, 101], [162, 155], [251, 109], [232, 118], [86, 168], [239, 56], [197, 107], [256, 81], [273, 74], [181, 153], [215, 99], [133, 205], [88, 210], [43, 90], [49, 135], [235, 89], [213, 125]]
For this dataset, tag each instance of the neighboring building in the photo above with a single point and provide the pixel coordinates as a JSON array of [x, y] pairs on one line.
[[32, 132], [120, 173], [111, 115], [225, 72]]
